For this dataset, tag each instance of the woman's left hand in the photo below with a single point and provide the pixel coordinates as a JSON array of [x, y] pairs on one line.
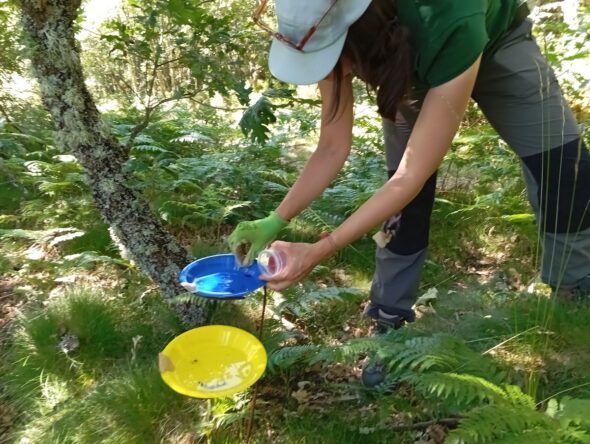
[[301, 258]]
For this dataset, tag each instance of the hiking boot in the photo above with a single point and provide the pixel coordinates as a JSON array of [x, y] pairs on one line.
[[385, 321], [373, 373]]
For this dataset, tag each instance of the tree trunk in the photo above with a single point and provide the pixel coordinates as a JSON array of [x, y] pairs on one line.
[[54, 54]]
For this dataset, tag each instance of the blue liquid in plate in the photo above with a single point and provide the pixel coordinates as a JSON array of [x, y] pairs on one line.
[[222, 283], [219, 277]]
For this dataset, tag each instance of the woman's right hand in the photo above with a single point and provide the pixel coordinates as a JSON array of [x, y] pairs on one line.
[[256, 233]]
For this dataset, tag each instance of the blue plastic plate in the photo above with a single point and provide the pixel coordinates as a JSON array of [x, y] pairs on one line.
[[219, 277]]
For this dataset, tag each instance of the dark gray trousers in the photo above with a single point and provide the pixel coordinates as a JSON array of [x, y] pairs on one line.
[[517, 91]]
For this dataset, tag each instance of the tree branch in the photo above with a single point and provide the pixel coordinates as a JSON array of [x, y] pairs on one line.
[[198, 102], [167, 62], [146, 119]]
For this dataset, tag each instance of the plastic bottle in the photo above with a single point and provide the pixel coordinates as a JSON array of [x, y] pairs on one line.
[[271, 262]]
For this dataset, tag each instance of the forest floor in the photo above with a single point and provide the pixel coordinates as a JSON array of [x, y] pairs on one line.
[[106, 388]]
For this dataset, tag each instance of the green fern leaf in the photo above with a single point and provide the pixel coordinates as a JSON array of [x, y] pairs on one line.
[[152, 150], [461, 389], [192, 299], [274, 187], [489, 423], [89, 259], [442, 353], [229, 208], [345, 353], [286, 357], [307, 302], [517, 398]]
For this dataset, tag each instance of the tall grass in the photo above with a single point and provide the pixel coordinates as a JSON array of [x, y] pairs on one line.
[[61, 351]]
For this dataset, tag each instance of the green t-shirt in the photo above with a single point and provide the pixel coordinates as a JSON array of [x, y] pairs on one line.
[[447, 36]]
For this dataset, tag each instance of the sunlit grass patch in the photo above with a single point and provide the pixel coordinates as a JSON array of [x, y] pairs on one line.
[[132, 403], [541, 343], [79, 336], [129, 405]]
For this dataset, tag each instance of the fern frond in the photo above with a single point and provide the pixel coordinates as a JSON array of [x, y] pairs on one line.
[[274, 187], [185, 186], [288, 356], [190, 298], [144, 139], [231, 206], [515, 396], [33, 235], [320, 220], [442, 353], [313, 354], [191, 137], [275, 175], [574, 435], [54, 188], [186, 213], [51, 235], [489, 423], [347, 352], [37, 167], [460, 389], [419, 354], [88, 259], [307, 302], [147, 149]]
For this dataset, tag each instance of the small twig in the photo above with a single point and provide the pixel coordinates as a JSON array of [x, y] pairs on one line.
[[139, 128], [561, 393], [510, 339], [250, 426], [167, 62], [221, 108], [147, 117], [489, 350]]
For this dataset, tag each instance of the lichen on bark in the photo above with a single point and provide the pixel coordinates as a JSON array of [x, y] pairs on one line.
[[55, 58]]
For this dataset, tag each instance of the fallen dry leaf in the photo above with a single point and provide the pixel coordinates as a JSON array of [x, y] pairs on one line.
[[301, 395]]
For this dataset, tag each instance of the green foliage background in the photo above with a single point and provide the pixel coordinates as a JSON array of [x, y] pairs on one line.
[[214, 140]]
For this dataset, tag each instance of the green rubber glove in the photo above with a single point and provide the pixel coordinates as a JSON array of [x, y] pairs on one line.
[[257, 233]]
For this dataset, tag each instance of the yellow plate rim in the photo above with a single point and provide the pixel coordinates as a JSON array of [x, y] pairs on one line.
[[202, 394]]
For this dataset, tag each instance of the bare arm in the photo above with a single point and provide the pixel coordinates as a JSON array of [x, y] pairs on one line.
[[431, 137], [332, 151], [437, 123]]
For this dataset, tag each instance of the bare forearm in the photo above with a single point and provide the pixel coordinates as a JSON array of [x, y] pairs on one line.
[[437, 122], [434, 130], [327, 160]]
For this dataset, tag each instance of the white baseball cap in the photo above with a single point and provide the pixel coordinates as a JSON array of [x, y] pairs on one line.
[[321, 52]]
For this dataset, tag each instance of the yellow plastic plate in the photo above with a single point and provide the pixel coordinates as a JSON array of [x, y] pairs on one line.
[[212, 361]]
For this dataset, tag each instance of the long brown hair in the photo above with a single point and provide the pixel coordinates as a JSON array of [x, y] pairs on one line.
[[378, 46]]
